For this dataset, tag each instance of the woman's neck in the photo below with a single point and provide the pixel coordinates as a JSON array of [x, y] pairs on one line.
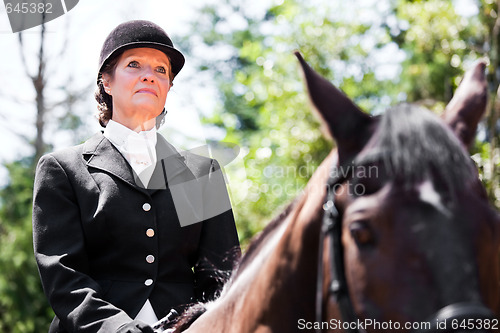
[[134, 124]]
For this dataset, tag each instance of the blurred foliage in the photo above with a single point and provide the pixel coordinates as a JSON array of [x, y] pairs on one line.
[[378, 52], [439, 44], [263, 106], [23, 306]]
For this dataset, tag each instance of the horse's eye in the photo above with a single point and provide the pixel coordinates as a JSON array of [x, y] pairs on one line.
[[362, 233]]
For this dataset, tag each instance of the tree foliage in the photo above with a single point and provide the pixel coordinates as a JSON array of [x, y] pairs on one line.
[[378, 52], [439, 45], [263, 106], [23, 306]]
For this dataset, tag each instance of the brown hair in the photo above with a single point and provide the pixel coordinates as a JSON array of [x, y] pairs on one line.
[[104, 100]]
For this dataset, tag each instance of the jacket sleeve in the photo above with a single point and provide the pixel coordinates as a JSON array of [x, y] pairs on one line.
[[60, 252], [219, 247]]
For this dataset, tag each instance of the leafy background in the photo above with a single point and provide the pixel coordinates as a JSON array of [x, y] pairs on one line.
[[379, 53]]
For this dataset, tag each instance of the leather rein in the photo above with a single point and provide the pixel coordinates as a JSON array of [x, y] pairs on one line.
[[337, 286]]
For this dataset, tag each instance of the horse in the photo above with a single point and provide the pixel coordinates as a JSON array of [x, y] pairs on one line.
[[393, 232]]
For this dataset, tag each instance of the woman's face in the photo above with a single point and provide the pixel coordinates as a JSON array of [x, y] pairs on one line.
[[139, 87]]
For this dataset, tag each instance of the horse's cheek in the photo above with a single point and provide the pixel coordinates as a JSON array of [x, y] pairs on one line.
[[356, 275]]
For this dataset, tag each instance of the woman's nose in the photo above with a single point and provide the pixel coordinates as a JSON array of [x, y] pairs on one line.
[[147, 74]]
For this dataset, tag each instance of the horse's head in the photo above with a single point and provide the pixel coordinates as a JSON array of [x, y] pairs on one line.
[[418, 233]]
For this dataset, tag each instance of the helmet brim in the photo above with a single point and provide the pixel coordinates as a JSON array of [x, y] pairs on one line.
[[176, 58]]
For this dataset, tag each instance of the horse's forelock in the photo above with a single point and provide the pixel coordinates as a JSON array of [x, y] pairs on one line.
[[414, 144]]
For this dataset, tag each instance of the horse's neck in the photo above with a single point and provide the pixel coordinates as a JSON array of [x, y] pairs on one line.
[[281, 277]]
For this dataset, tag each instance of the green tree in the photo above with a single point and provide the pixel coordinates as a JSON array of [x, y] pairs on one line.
[[439, 44], [378, 53], [23, 306], [263, 105]]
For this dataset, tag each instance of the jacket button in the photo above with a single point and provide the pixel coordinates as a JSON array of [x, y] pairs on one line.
[[148, 282], [150, 232], [146, 207], [150, 259]]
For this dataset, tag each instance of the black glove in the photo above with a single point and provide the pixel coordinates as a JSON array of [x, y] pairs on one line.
[[135, 326]]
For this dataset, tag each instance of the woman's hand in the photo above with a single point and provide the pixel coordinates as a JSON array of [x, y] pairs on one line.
[[135, 326]]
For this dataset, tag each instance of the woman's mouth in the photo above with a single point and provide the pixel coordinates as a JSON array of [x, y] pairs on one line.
[[147, 91]]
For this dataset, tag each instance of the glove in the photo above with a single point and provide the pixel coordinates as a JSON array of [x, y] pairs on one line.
[[135, 326]]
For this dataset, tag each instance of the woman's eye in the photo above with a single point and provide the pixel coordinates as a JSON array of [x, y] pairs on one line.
[[161, 70], [133, 64]]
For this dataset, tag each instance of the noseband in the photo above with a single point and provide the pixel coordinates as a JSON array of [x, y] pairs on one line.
[[337, 286]]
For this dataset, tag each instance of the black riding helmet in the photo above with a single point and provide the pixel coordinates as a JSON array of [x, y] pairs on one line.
[[136, 34]]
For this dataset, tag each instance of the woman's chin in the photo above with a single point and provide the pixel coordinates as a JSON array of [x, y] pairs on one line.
[[148, 111]]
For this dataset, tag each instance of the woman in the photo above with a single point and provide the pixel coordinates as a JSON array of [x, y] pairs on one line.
[[125, 227]]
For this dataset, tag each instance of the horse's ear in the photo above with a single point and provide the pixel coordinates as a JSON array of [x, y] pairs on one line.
[[468, 105], [349, 126]]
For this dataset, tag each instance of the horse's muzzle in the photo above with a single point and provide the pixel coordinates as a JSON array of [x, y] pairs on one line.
[[463, 317]]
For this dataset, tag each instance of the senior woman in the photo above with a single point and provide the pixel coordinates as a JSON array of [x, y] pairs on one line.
[[126, 227]]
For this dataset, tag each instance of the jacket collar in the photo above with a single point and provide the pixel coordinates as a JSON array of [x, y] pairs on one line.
[[100, 153]]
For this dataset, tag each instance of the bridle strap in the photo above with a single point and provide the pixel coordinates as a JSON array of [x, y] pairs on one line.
[[332, 228], [319, 277], [338, 283]]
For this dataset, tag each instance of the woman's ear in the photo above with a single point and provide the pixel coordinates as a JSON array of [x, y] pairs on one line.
[[106, 79]]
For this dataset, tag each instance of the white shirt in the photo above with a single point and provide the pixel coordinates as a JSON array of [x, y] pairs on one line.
[[139, 149]]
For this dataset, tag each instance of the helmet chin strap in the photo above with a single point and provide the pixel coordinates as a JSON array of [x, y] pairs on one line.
[[160, 118]]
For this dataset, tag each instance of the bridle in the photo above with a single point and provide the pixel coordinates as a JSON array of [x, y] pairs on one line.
[[337, 286], [331, 227]]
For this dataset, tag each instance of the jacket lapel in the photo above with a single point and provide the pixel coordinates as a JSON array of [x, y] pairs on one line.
[[175, 163], [101, 154], [170, 166]]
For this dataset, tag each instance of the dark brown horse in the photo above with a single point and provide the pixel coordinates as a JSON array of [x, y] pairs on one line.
[[393, 232]]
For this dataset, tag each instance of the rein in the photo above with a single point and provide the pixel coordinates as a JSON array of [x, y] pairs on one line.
[[337, 286]]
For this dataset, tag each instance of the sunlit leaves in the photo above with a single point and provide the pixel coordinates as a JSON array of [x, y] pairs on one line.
[[23, 307], [263, 103], [441, 44], [438, 42]]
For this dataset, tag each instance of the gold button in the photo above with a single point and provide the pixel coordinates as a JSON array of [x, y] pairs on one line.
[[150, 259], [146, 207], [150, 232]]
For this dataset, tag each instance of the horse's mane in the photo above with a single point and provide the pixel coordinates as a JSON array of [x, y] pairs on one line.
[[414, 144], [192, 313]]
